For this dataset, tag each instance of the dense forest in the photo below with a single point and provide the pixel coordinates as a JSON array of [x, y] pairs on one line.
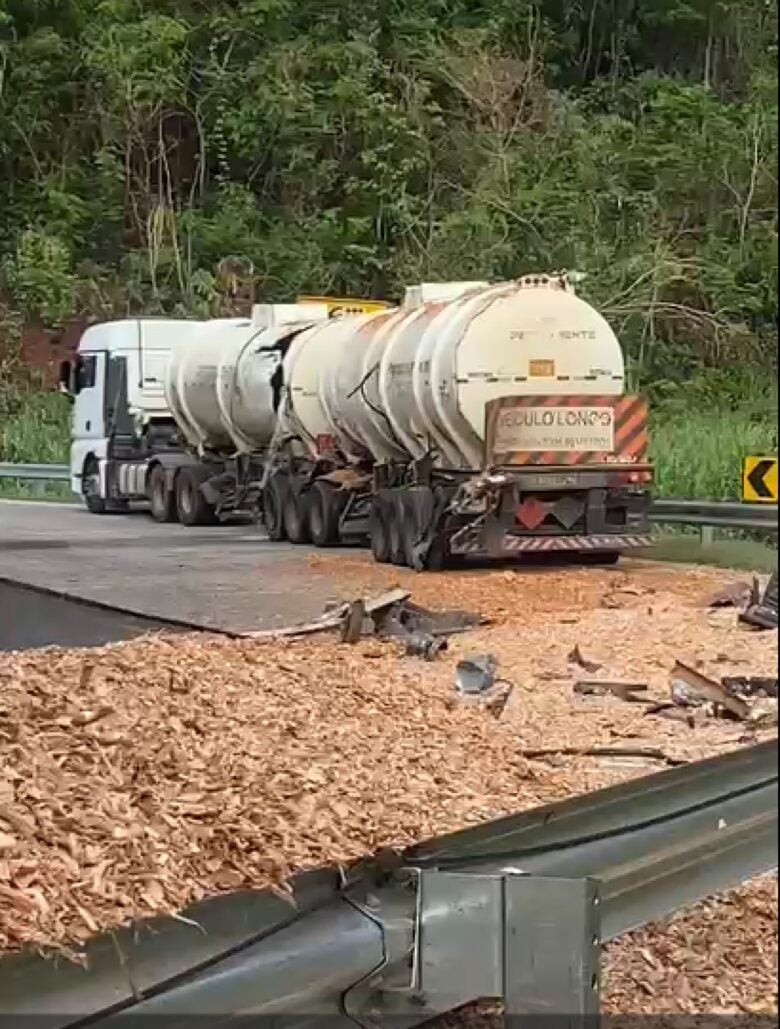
[[156, 153]]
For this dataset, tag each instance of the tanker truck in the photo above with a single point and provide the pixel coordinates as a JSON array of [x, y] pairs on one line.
[[473, 419]]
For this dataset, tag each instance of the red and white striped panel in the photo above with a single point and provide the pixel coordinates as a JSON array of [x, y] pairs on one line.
[[537, 544]]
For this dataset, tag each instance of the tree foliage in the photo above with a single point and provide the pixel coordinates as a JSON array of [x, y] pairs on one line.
[[339, 145]]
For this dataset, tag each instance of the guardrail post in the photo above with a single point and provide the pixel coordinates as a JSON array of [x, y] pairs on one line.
[[707, 535], [552, 950]]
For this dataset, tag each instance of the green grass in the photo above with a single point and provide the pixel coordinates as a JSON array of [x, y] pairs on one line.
[[746, 555], [698, 454], [36, 429]]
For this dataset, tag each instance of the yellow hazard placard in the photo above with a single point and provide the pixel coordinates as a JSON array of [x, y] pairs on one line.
[[346, 305], [759, 480]]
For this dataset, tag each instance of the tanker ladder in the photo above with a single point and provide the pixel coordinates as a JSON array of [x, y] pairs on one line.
[[516, 910]]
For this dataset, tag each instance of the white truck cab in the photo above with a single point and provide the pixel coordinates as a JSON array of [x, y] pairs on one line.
[[117, 386]]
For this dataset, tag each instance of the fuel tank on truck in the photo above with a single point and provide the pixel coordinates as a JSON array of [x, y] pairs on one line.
[[223, 384], [415, 381]]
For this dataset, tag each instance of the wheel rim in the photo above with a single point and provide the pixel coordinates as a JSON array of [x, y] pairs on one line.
[[92, 483]]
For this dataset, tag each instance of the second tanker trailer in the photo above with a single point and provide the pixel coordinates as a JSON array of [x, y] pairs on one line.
[[473, 419]]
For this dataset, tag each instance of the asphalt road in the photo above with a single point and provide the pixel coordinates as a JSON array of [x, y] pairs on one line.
[[30, 618], [228, 576]]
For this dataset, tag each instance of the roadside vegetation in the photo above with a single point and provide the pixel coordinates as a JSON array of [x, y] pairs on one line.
[[169, 157]]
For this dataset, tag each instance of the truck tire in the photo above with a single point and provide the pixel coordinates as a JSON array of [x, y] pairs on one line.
[[162, 499], [90, 488], [274, 496], [325, 507], [191, 506], [296, 515], [378, 531], [395, 528]]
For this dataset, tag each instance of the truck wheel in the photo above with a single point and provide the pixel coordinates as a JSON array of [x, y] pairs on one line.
[[296, 515], [90, 488], [325, 506], [191, 506], [162, 500], [395, 529], [274, 496], [378, 529]]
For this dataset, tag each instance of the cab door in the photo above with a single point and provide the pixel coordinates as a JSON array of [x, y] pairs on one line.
[[89, 377]]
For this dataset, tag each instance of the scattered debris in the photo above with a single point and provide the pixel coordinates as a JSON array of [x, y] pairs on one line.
[[497, 698], [576, 657], [601, 687], [676, 714], [403, 618], [750, 685], [352, 624], [619, 596], [392, 614], [763, 713], [648, 753], [476, 674], [762, 613], [735, 594], [690, 688], [425, 646]]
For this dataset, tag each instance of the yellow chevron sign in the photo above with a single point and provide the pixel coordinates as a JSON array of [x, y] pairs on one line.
[[759, 480], [346, 305]]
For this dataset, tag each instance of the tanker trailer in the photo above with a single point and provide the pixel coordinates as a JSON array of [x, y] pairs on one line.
[[475, 419]]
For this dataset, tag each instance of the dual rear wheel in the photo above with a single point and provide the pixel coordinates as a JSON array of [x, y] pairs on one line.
[[303, 515], [399, 518], [183, 501]]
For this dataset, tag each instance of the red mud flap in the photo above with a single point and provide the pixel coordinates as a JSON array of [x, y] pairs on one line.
[[512, 544]]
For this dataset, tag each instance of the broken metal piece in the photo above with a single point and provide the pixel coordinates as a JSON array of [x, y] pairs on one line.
[[735, 594], [425, 646], [475, 675], [646, 753], [750, 685], [601, 687], [405, 618], [762, 613], [690, 688], [576, 657], [352, 624]]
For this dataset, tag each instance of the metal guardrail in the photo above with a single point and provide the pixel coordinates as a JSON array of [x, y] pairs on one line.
[[710, 515], [726, 514], [516, 909], [38, 474]]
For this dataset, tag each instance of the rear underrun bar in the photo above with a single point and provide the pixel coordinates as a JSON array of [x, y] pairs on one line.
[[515, 910]]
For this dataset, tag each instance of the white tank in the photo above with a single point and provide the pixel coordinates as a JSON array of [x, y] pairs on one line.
[[415, 380], [223, 383]]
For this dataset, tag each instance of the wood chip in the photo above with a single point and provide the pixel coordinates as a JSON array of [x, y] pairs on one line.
[[225, 762]]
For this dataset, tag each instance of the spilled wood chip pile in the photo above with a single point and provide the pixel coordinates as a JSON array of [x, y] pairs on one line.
[[139, 778]]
